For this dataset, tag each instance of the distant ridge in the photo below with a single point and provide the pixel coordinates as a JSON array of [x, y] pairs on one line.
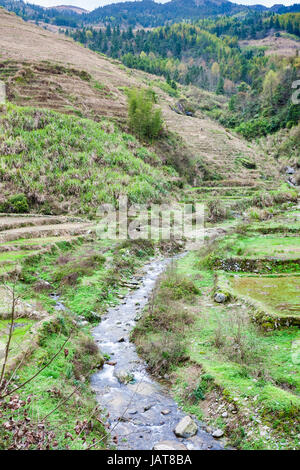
[[144, 13], [71, 8]]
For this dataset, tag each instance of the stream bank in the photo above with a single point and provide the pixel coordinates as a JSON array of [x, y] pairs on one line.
[[141, 413]]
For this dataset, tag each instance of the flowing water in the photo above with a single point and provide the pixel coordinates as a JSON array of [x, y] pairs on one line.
[[141, 413]]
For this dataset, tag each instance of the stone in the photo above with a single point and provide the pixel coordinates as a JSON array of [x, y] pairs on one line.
[[289, 170], [165, 412], [147, 407], [220, 298], [121, 340], [225, 414], [41, 285], [111, 363], [186, 427], [218, 433], [169, 445]]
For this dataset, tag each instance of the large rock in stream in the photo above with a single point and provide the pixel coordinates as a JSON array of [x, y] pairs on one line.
[[186, 427], [169, 445]]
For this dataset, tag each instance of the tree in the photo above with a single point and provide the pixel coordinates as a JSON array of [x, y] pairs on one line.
[[220, 86], [270, 84], [144, 119]]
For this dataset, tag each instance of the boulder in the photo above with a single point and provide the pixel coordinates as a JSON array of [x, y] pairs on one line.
[[186, 427], [289, 170], [169, 445], [218, 433], [220, 298], [41, 285]]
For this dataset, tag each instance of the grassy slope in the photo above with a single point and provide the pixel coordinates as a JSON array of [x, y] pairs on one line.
[[94, 86], [67, 164]]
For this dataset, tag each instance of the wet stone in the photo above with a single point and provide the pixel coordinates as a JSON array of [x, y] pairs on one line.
[[218, 433], [186, 427], [169, 445]]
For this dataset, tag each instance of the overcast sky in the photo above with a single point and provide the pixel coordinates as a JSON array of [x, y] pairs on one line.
[[92, 4]]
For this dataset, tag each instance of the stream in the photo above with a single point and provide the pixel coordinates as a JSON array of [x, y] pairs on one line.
[[141, 413]]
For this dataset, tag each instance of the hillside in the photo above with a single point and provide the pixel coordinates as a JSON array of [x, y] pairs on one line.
[[146, 342], [69, 8], [45, 70], [145, 13]]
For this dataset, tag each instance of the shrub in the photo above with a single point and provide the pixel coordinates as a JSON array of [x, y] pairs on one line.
[[144, 119], [216, 210], [237, 339], [202, 388], [178, 286], [255, 213], [16, 204], [263, 199], [87, 357]]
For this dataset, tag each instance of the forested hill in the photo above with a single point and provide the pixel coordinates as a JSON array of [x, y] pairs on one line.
[[208, 54], [145, 13], [148, 13]]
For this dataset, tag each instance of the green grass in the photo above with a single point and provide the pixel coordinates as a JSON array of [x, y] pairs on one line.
[[36, 241], [15, 255], [279, 295], [55, 384], [261, 246], [100, 266], [22, 327], [76, 161], [261, 376]]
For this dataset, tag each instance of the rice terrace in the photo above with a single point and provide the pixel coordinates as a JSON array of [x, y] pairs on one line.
[[149, 228]]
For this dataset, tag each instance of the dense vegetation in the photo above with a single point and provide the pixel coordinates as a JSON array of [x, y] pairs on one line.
[[145, 13], [31, 12], [254, 25], [207, 54], [66, 163]]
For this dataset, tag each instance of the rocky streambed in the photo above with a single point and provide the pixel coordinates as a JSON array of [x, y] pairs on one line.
[[141, 413]]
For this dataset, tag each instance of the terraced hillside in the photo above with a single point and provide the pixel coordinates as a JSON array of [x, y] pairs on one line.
[[52, 71], [29, 235], [65, 148]]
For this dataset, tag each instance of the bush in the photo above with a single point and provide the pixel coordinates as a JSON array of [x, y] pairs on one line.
[[87, 357], [16, 204], [178, 286], [144, 119], [216, 210], [257, 214]]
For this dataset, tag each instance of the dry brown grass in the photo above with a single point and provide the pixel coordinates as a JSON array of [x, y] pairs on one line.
[[281, 46]]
